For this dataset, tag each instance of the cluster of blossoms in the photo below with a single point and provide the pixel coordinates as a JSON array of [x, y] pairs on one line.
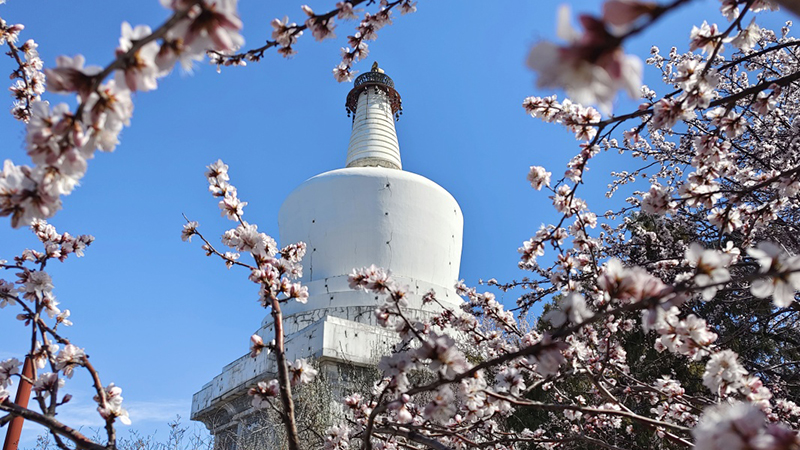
[[60, 141], [111, 405], [274, 270], [8, 368], [712, 229], [367, 30], [581, 120], [782, 274], [591, 67], [32, 293], [465, 404], [30, 84], [300, 371], [37, 285], [322, 26]]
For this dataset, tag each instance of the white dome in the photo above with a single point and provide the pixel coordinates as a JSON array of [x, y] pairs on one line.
[[358, 216]]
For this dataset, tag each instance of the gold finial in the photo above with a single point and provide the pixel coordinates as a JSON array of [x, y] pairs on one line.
[[375, 67]]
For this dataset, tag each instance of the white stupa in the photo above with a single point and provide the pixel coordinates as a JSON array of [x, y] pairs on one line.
[[370, 212]]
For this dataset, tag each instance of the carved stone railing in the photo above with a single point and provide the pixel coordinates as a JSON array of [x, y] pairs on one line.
[[378, 81], [373, 77]]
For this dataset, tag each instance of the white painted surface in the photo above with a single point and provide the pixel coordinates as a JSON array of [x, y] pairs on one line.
[[373, 141], [335, 293], [359, 216], [328, 338]]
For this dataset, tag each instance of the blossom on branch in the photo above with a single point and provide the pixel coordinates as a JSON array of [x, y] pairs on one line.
[[8, 368], [110, 407], [591, 67], [213, 25], [538, 177], [70, 75], [139, 72], [301, 372], [784, 274]]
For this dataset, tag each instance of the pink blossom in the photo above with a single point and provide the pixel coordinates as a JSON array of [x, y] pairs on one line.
[[667, 112], [623, 12], [320, 28], [731, 123], [215, 27], [591, 67], [246, 238], [538, 177], [8, 294], [69, 358], [705, 37], [35, 284], [257, 345], [408, 6], [70, 75], [724, 374], [189, 230], [298, 292], [231, 207], [42, 354], [112, 406], [343, 73], [730, 9], [762, 5], [346, 11], [139, 72], [10, 33], [658, 200], [285, 33], [550, 358], [8, 368], [337, 437], [301, 372], [765, 103], [46, 382], [263, 392], [217, 172], [783, 274], [52, 137], [441, 407], [572, 308], [175, 49], [372, 279], [444, 356], [747, 38], [63, 318], [698, 83], [711, 268], [730, 426], [294, 252], [727, 221]]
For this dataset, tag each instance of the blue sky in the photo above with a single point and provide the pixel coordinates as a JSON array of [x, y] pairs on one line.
[[160, 319]]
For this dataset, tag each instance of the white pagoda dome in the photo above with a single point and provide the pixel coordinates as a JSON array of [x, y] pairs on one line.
[[370, 212]]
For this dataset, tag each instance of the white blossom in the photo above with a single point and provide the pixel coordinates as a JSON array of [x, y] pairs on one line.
[[783, 274]]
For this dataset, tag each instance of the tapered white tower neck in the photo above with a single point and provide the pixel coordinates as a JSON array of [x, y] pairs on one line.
[[375, 106]]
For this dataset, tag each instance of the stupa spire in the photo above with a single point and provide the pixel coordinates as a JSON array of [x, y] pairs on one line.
[[375, 106]]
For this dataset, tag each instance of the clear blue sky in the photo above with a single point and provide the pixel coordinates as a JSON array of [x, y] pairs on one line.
[[160, 319]]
